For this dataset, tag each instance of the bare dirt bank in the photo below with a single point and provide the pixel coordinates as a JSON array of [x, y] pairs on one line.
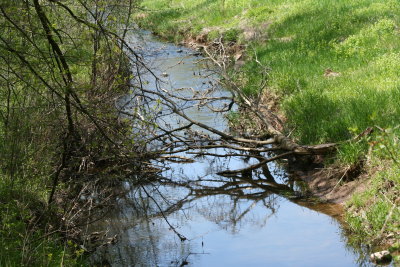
[[333, 184]]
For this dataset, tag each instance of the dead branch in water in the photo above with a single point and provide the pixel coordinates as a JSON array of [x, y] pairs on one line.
[[255, 166], [165, 118]]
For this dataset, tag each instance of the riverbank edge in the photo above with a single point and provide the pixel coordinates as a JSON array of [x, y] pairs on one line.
[[332, 183]]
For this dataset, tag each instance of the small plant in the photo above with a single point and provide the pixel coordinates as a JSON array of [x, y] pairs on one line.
[[233, 117], [231, 35], [213, 35]]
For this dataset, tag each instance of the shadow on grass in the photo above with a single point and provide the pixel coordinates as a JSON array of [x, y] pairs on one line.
[[326, 119]]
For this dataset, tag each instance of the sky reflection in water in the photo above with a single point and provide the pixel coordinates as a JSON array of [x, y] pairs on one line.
[[227, 221]]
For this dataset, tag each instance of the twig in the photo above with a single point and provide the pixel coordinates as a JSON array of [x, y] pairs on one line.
[[179, 159], [255, 166], [225, 155], [341, 178], [181, 237]]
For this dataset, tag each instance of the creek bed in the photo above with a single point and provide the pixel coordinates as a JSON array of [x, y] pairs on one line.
[[195, 217]]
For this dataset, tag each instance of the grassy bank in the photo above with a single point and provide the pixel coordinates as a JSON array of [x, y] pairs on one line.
[[374, 214], [335, 68]]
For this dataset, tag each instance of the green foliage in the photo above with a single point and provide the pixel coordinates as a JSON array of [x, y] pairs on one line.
[[352, 152], [374, 213], [231, 35], [22, 240], [233, 117], [213, 35], [59, 79]]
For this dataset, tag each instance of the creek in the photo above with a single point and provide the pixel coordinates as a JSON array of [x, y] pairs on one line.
[[191, 216]]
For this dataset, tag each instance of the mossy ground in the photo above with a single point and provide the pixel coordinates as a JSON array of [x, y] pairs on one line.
[[335, 66]]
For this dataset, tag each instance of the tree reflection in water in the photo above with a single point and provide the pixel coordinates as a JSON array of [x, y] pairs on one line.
[[152, 219]]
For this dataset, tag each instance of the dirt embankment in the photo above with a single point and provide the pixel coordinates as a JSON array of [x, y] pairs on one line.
[[332, 184]]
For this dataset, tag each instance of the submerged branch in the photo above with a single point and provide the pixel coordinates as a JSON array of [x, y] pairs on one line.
[[255, 166]]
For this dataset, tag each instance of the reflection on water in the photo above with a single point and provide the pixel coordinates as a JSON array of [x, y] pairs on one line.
[[191, 216]]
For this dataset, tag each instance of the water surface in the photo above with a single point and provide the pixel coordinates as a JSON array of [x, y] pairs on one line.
[[194, 217]]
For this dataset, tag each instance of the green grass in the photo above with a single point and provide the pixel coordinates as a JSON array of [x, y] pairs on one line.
[[374, 214], [190, 17], [346, 40]]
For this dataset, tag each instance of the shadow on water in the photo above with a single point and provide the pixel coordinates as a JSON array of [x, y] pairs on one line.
[[189, 215]]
